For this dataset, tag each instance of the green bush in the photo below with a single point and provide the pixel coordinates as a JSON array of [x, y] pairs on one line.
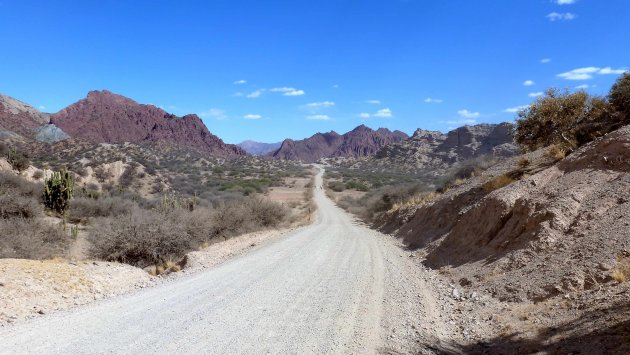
[[18, 160]]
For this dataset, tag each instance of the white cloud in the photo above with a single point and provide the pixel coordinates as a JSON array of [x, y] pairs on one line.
[[515, 109], [545, 60], [384, 113], [240, 82], [318, 117], [214, 113], [363, 115], [289, 91], [583, 86], [252, 117], [255, 94], [320, 104], [535, 94], [565, 2], [587, 73], [373, 102], [462, 122], [557, 16], [467, 114], [431, 100], [42, 107], [528, 82], [609, 70]]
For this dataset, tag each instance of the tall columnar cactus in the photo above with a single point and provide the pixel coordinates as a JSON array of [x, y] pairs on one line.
[[58, 190]]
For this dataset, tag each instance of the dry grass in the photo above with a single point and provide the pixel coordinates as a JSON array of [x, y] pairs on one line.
[[621, 272], [557, 152], [31, 239], [497, 183], [416, 201]]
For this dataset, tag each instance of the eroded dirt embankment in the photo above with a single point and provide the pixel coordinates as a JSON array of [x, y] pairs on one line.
[[544, 249]]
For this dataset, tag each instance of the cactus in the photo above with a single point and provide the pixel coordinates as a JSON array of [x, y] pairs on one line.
[[74, 231], [58, 191]]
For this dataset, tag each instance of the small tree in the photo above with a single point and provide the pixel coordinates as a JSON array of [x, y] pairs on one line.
[[58, 191], [620, 95], [556, 117]]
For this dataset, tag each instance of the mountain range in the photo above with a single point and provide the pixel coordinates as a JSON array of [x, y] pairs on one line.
[[361, 141], [106, 117]]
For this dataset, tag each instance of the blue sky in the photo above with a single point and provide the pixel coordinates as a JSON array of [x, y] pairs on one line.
[[267, 70]]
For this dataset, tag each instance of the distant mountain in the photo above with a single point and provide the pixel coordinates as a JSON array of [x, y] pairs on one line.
[[435, 150], [105, 117], [361, 141], [19, 120], [258, 148]]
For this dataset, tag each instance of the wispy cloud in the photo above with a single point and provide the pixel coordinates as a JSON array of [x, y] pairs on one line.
[[545, 60], [238, 94], [462, 122], [536, 94], [528, 82], [384, 113], [240, 82], [583, 86], [468, 114], [252, 116], [515, 109], [431, 100], [587, 73], [289, 91], [336, 86], [42, 107], [565, 2], [215, 113], [315, 105], [364, 115], [255, 94], [373, 102], [557, 16], [318, 117]]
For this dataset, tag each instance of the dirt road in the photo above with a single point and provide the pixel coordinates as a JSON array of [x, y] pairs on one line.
[[333, 287]]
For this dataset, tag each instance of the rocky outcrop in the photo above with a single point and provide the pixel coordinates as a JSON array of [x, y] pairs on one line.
[[20, 118], [361, 141], [436, 150], [105, 117]]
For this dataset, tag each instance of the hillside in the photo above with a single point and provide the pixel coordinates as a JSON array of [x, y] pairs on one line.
[[361, 141], [435, 150], [105, 117], [548, 248]]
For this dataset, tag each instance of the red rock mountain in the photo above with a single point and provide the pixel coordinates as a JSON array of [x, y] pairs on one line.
[[361, 141], [105, 117]]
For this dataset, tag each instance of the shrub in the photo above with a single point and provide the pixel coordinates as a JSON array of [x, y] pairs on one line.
[[18, 160], [82, 208], [337, 186], [353, 185], [620, 95], [142, 238], [15, 205], [31, 239], [38, 174], [559, 117], [12, 183], [58, 190], [497, 183], [266, 213]]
